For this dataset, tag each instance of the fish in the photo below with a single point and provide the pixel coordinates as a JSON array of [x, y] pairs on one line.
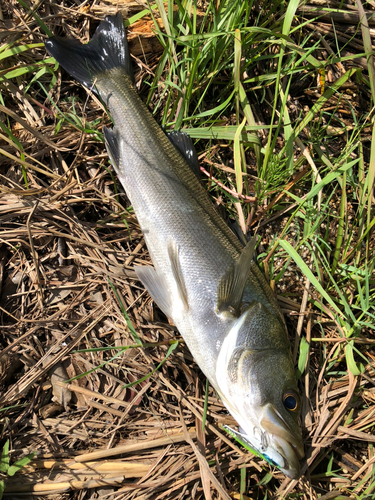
[[203, 278]]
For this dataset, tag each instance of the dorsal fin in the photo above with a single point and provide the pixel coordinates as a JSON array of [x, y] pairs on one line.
[[232, 284], [184, 144]]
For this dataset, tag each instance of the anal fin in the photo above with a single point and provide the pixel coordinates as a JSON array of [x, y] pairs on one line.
[[157, 288], [113, 146]]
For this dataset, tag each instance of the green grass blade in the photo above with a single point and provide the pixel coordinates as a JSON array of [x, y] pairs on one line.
[[304, 348], [237, 70], [19, 49], [243, 483], [224, 133], [20, 464], [127, 319], [93, 370], [37, 18], [289, 16], [205, 406], [4, 464], [304, 268], [169, 352], [246, 108], [237, 156], [352, 365], [314, 111], [367, 43]]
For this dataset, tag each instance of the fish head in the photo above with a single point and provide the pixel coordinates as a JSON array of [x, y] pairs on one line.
[[269, 408], [257, 382]]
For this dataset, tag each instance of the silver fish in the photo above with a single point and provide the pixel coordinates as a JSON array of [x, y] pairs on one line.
[[203, 279]]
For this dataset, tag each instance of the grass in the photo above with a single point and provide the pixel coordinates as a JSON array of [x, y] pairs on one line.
[[288, 156], [8, 469]]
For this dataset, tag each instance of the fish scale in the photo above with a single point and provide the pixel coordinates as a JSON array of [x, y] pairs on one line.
[[202, 277], [181, 212]]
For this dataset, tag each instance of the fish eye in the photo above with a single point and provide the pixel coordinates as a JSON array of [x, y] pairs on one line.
[[291, 400]]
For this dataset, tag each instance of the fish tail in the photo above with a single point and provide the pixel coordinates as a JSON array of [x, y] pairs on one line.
[[108, 49]]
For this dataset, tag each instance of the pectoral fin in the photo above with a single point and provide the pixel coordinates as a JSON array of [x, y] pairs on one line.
[[177, 273], [232, 285], [157, 287]]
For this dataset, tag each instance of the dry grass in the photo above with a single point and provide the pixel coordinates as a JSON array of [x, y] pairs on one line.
[[64, 238]]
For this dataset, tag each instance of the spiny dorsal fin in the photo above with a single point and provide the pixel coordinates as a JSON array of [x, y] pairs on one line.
[[185, 146], [232, 285], [177, 273]]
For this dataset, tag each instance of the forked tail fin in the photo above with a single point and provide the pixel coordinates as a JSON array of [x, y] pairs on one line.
[[107, 49]]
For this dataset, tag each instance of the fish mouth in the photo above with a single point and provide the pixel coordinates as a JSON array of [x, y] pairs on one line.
[[270, 437], [285, 441]]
